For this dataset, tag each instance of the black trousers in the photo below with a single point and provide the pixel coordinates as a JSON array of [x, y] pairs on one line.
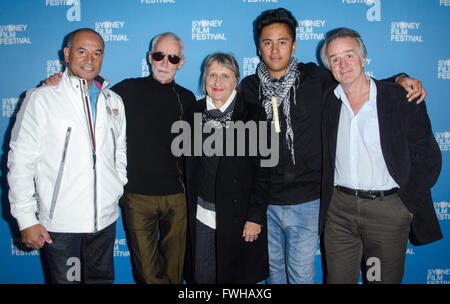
[[75, 258], [205, 254], [374, 232]]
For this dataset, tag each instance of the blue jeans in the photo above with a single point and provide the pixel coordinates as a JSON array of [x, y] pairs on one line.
[[293, 238]]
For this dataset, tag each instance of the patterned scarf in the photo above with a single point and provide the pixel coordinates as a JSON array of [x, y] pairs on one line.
[[280, 88], [217, 118]]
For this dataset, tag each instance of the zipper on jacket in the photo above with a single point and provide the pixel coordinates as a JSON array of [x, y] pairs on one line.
[[180, 172], [88, 113], [60, 174], [114, 144]]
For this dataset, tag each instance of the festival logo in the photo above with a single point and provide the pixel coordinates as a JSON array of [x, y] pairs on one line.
[[15, 251], [410, 250], [111, 30], [207, 30], [9, 106], [13, 34], [402, 31], [73, 13], [261, 1], [441, 209], [373, 13], [443, 140], [444, 68], [158, 2], [121, 248], [310, 29], [145, 67], [53, 67], [367, 69], [249, 65], [438, 276]]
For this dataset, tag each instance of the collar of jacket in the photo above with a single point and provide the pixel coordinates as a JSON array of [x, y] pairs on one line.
[[74, 80]]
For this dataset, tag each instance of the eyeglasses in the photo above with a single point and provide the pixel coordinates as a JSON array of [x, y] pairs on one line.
[[158, 56]]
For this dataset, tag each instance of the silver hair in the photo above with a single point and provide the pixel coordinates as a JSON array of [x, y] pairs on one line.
[[341, 33], [168, 35], [223, 59]]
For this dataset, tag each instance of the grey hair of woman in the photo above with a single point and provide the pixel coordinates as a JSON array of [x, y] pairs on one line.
[[168, 35], [223, 59], [341, 33]]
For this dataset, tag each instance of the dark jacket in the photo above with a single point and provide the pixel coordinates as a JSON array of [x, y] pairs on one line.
[[238, 199], [409, 149], [293, 184]]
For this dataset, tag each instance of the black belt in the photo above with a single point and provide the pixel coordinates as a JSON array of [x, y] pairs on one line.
[[371, 194]]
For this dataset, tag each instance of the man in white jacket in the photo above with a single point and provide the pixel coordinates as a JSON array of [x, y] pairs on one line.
[[67, 167]]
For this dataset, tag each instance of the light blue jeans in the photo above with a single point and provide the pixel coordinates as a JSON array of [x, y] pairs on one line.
[[293, 238]]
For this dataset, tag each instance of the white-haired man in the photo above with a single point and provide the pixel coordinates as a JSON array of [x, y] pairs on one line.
[[154, 205]]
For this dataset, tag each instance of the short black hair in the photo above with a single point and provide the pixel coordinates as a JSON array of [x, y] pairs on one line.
[[279, 15], [85, 29]]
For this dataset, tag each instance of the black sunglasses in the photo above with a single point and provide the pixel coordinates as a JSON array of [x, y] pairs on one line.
[[158, 56]]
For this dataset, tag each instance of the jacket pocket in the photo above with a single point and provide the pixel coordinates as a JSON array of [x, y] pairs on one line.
[[60, 174]]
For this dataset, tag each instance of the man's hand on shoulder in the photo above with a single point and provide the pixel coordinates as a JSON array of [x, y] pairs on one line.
[[413, 87], [53, 80]]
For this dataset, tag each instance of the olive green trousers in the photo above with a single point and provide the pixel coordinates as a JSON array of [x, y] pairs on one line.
[[156, 236]]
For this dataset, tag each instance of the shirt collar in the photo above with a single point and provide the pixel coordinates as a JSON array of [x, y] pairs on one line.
[[210, 105], [373, 91], [340, 94], [101, 80]]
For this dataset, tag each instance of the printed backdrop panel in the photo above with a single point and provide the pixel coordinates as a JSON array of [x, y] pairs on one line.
[[408, 36]]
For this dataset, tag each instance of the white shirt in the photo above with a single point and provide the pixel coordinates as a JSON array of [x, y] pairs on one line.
[[359, 159], [210, 105]]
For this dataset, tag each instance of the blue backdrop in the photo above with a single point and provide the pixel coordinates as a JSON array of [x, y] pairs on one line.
[[409, 36]]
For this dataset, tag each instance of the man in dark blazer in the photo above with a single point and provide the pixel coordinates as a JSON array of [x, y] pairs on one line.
[[380, 160]]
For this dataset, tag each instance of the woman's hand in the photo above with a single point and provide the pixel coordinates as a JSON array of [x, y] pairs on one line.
[[251, 231]]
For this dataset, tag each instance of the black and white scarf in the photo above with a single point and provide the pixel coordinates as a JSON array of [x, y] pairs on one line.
[[280, 88], [216, 118]]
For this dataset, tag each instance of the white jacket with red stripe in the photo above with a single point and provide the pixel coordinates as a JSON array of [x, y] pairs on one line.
[[59, 175]]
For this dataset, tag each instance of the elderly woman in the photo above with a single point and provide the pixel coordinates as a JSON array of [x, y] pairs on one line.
[[227, 238]]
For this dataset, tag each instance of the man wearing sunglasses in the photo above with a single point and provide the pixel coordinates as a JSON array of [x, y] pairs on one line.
[[154, 204]]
